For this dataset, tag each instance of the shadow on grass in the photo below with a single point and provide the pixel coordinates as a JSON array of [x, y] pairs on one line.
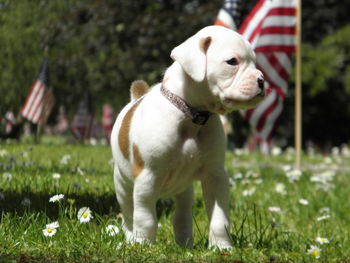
[[20, 203], [105, 204]]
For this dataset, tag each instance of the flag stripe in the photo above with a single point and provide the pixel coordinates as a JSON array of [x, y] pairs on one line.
[[36, 111], [256, 13], [27, 103], [272, 119], [35, 92], [267, 112], [278, 30], [270, 73]]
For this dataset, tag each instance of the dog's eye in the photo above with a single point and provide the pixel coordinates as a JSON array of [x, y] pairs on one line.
[[232, 62]]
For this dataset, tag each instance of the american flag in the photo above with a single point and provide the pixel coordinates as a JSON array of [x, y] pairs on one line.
[[40, 99], [83, 121], [270, 28]]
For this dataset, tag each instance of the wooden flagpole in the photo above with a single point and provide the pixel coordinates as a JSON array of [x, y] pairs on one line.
[[298, 122]]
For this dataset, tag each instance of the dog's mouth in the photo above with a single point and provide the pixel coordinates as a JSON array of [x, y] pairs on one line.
[[237, 104]]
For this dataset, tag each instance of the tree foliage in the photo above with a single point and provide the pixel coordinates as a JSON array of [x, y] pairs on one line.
[[101, 46]]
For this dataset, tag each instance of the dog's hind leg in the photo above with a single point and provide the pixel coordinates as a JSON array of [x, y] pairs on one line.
[[125, 200], [183, 218], [145, 197]]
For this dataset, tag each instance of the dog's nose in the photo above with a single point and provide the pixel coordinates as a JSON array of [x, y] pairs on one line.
[[261, 84]]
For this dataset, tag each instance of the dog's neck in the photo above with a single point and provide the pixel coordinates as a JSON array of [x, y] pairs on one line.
[[179, 83]]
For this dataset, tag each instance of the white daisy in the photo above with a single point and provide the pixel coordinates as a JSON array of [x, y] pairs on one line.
[[322, 240], [80, 171], [241, 152], [321, 218], [345, 150], [93, 141], [324, 210], [3, 153], [56, 176], [249, 192], [327, 160], [251, 174], [274, 209], [84, 215], [53, 225], [303, 202], [276, 151], [26, 202], [335, 151], [290, 151], [49, 232], [294, 175], [65, 159], [231, 181], [50, 229], [238, 176], [56, 198], [287, 168], [314, 251], [112, 230], [280, 188], [7, 176]]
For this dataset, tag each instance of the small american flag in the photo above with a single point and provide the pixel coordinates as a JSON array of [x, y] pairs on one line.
[[40, 99], [270, 27], [83, 121]]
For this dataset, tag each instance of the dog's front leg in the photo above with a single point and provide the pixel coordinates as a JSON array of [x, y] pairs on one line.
[[183, 218], [216, 195], [145, 197]]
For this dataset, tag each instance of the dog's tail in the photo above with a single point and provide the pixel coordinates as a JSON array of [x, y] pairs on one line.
[[138, 89]]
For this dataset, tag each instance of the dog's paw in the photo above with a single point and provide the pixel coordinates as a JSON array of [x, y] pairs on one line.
[[221, 245]]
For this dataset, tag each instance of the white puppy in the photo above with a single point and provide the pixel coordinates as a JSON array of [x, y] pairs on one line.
[[168, 137]]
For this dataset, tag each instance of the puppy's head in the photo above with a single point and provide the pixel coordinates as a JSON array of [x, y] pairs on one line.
[[225, 61]]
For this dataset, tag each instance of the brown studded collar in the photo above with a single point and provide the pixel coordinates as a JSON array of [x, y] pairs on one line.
[[198, 117]]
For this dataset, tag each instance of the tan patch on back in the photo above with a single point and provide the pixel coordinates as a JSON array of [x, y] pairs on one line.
[[123, 138], [138, 163], [138, 89]]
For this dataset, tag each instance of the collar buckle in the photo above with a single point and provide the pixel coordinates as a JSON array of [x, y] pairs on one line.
[[200, 117]]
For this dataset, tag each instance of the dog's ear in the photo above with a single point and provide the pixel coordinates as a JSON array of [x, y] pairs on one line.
[[191, 55]]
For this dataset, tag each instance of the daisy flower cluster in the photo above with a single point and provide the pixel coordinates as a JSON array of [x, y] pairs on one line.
[[250, 179], [84, 215]]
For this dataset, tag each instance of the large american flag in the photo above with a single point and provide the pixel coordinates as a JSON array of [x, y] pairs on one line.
[[270, 28], [40, 100]]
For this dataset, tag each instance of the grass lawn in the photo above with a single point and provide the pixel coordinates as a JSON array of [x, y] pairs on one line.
[[277, 214]]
